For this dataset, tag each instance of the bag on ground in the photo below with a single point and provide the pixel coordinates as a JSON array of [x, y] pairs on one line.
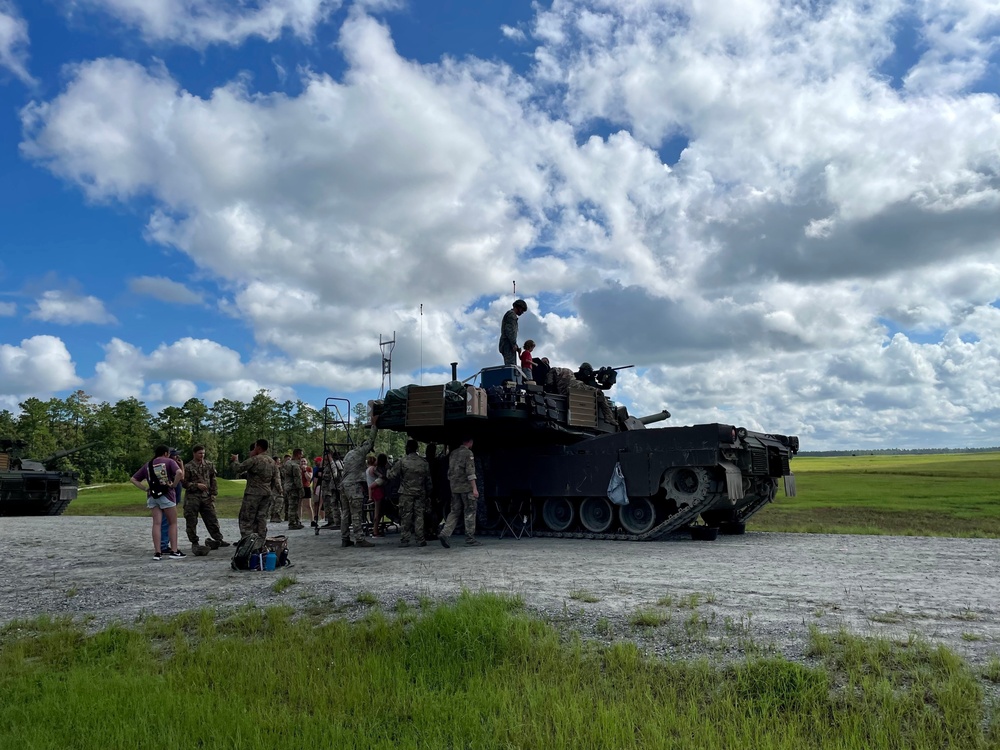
[[245, 548], [279, 546]]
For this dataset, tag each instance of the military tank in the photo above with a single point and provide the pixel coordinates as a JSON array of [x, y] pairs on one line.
[[33, 487], [545, 459]]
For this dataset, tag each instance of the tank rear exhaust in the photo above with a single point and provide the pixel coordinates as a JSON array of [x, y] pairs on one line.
[[454, 370]]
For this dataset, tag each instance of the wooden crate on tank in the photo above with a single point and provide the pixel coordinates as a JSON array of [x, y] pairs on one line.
[[425, 406], [4, 461], [582, 408]]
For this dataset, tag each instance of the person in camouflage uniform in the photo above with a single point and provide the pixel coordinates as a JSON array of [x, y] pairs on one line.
[[508, 332], [352, 497], [262, 483], [563, 380], [277, 499], [333, 471], [414, 474], [202, 489], [464, 494], [291, 485]]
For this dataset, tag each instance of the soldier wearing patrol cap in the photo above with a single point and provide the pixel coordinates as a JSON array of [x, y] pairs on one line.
[[508, 332]]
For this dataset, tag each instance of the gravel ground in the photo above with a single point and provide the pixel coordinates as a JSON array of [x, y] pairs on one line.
[[756, 592]]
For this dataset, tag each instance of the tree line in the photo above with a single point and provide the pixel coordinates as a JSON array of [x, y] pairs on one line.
[[126, 432]]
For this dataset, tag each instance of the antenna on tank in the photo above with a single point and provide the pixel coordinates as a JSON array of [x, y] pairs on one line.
[[421, 343], [515, 288], [386, 346]]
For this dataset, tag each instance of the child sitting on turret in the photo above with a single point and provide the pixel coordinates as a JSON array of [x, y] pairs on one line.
[[526, 350]]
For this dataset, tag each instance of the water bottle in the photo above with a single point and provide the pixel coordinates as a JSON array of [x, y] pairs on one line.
[[255, 561], [270, 560]]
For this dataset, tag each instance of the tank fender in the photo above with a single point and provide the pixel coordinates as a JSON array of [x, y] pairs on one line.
[[734, 481]]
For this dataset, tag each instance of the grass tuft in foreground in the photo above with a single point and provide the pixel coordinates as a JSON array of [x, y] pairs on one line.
[[479, 673]]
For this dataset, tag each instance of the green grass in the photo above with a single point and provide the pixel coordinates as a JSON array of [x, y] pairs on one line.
[[479, 673], [126, 500], [933, 495], [648, 618], [283, 583], [582, 595]]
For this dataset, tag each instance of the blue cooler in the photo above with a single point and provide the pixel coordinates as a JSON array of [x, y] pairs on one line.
[[492, 376]]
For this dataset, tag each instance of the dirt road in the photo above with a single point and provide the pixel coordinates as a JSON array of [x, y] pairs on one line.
[[761, 588]]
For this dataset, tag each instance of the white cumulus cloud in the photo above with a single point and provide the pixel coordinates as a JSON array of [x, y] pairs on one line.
[[202, 22], [14, 42], [39, 366], [68, 308]]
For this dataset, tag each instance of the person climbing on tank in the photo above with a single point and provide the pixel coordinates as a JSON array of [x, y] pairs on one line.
[[540, 370]]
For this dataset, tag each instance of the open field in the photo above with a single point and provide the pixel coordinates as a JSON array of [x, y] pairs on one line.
[[126, 500], [928, 495], [477, 672], [935, 495]]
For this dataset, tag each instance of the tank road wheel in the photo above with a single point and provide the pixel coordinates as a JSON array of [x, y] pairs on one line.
[[686, 485], [596, 514], [557, 512], [638, 516]]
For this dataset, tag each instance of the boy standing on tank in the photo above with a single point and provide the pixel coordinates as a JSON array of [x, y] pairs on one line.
[[464, 494], [526, 350]]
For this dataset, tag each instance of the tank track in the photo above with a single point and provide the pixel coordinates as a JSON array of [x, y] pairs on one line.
[[57, 508], [763, 499], [672, 523]]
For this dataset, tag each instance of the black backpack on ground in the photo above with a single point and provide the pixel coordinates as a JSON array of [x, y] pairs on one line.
[[245, 547]]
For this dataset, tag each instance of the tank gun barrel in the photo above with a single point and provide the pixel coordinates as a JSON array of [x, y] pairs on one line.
[[658, 417], [68, 452]]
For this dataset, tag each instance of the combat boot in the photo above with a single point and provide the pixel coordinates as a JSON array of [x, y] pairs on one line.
[[295, 526], [473, 543], [364, 543], [346, 543]]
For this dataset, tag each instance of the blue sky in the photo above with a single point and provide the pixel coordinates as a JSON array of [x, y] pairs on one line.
[[784, 216]]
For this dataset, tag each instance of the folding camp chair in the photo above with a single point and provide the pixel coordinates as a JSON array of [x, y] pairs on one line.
[[515, 513]]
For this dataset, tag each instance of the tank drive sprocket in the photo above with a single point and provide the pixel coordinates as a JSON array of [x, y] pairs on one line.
[[687, 485]]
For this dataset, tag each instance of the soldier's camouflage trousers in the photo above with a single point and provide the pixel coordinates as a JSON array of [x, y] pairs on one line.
[[194, 506], [351, 518], [411, 515], [331, 507], [462, 502], [277, 502], [292, 500], [253, 514]]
